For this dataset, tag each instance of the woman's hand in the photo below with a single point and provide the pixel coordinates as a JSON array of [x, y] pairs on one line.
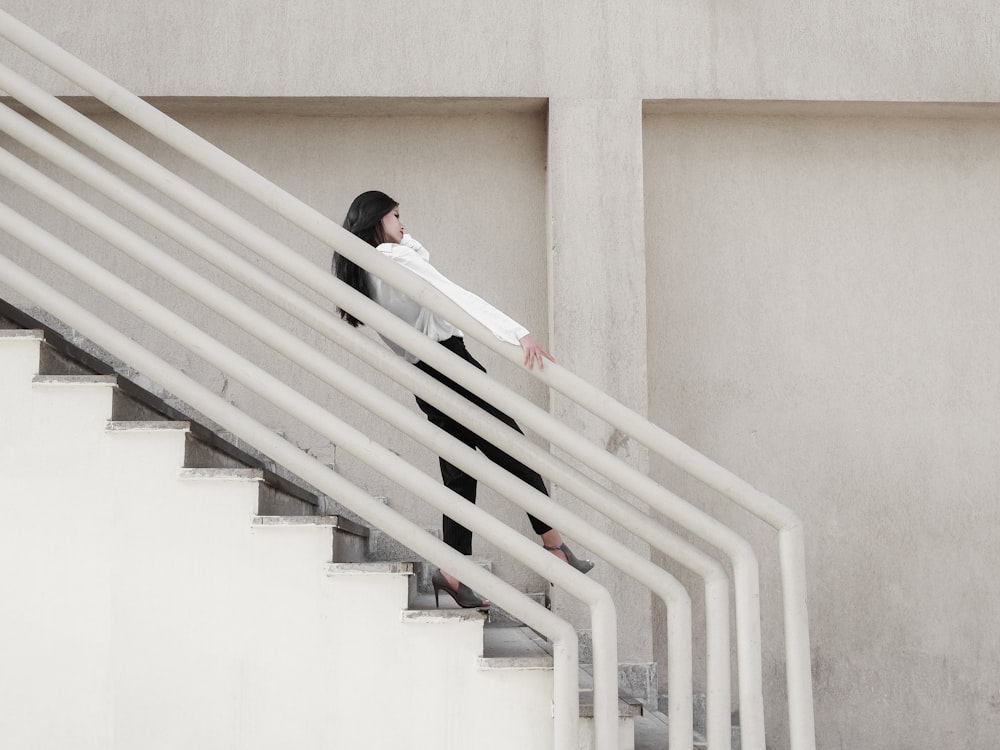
[[533, 352]]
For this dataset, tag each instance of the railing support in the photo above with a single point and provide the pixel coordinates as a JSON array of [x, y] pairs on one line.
[[566, 689], [678, 604], [791, 547]]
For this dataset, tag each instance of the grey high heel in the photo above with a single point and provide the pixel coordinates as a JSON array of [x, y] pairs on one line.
[[584, 566], [464, 597]]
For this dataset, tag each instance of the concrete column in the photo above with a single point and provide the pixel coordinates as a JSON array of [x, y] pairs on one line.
[[597, 297]]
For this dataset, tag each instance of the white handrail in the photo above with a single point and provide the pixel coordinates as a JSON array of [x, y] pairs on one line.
[[741, 556], [565, 646], [790, 533], [605, 641], [716, 581]]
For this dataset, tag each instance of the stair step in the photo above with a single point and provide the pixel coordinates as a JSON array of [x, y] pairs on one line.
[[422, 595], [506, 643], [514, 648], [367, 568], [523, 648], [67, 357], [501, 618], [223, 474], [119, 426], [76, 380], [338, 522], [349, 538], [383, 547]]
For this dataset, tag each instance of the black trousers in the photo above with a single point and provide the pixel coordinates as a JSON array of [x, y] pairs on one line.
[[456, 535]]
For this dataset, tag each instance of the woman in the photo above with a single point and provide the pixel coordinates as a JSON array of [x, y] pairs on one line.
[[374, 217]]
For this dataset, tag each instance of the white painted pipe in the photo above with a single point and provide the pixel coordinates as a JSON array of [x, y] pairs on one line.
[[802, 729], [309, 413], [671, 591], [686, 458], [566, 688], [678, 670], [744, 565], [569, 479]]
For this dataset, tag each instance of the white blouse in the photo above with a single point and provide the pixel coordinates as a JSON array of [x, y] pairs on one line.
[[413, 256]]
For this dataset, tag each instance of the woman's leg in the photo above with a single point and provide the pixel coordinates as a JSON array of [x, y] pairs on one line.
[[453, 533], [551, 539], [527, 475]]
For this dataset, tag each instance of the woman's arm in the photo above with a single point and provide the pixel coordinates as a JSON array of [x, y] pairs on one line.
[[499, 324]]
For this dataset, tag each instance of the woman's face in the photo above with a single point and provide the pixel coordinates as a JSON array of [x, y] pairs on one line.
[[392, 228]]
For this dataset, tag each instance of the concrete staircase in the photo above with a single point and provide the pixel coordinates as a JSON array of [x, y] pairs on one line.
[[160, 589]]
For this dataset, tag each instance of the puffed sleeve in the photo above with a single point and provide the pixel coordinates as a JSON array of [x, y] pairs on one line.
[[414, 257]]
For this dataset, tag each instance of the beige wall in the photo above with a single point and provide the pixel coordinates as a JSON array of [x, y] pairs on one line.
[[770, 49], [823, 313], [815, 283]]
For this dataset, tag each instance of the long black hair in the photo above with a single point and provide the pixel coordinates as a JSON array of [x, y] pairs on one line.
[[364, 219]]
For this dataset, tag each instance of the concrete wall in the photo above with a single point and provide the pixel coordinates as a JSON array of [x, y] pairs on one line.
[[805, 292], [822, 293], [769, 49]]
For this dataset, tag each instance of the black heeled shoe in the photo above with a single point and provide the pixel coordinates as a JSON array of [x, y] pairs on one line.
[[464, 597], [584, 566]]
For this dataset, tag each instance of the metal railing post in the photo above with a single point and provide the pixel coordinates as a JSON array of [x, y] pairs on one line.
[[566, 691], [791, 537], [716, 583]]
